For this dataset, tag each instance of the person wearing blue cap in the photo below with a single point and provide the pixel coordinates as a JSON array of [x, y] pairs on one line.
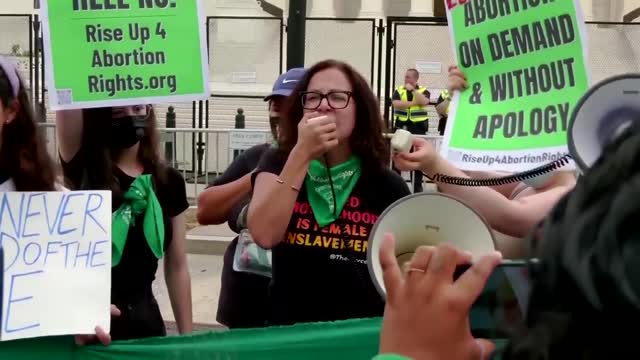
[[243, 301]]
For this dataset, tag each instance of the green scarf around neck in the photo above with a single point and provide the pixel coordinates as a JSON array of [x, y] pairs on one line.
[[345, 177], [139, 199]]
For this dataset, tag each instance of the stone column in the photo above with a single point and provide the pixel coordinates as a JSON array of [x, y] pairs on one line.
[[372, 9], [422, 8]]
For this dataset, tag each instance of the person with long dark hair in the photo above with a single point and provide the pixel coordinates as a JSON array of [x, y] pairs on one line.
[[117, 149], [25, 164], [318, 194]]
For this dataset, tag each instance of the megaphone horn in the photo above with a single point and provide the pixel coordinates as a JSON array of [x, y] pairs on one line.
[[601, 115], [427, 219]]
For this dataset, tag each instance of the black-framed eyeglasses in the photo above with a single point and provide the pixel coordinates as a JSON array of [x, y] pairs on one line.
[[337, 100]]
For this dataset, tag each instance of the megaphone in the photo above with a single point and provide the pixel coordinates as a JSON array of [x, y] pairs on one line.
[[603, 113], [427, 219]]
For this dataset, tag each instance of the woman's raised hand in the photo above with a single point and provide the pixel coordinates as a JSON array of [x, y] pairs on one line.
[[316, 134], [457, 81]]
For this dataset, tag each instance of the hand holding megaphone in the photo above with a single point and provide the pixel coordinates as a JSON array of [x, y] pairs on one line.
[[422, 156], [427, 312], [317, 134]]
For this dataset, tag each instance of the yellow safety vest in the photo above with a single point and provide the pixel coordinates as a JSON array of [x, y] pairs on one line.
[[445, 96], [416, 113]]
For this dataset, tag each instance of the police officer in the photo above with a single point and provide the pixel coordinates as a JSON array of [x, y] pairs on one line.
[[442, 106], [410, 112]]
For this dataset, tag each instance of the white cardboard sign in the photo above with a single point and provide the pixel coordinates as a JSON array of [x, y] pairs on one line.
[[57, 263]]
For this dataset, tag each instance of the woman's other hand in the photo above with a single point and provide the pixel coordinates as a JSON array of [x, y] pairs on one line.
[[420, 159]]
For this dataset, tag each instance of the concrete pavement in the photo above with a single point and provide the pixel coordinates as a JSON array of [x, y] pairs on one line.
[[205, 273], [209, 240]]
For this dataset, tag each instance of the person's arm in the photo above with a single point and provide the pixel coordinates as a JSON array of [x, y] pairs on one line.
[[511, 217], [506, 190], [274, 197], [176, 269], [442, 105], [177, 276], [399, 104], [69, 130], [420, 98], [215, 203]]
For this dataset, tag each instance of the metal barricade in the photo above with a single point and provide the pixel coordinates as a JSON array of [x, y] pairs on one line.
[[220, 145]]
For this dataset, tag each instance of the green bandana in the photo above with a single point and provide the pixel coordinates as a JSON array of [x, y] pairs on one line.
[[139, 199], [344, 176]]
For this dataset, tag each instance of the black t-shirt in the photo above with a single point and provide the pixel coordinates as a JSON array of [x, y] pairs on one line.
[[137, 268], [245, 163], [315, 277], [244, 298]]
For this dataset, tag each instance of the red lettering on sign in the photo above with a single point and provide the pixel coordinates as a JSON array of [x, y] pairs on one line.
[[453, 3]]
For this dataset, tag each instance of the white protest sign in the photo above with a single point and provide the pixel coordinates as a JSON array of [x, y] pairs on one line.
[[57, 263], [245, 139]]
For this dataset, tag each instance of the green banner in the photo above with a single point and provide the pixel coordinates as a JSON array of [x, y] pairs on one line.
[[124, 52], [525, 62], [348, 340]]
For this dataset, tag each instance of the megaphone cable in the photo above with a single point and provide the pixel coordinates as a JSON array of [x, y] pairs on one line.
[[510, 179]]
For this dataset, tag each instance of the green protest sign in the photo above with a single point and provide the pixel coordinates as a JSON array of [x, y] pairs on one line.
[[525, 62], [124, 52]]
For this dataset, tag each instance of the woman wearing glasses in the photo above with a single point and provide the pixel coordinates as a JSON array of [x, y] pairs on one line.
[[117, 149], [318, 225]]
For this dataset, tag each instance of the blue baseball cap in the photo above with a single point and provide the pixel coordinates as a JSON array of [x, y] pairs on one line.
[[287, 82]]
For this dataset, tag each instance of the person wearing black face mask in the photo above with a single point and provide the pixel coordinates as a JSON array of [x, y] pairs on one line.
[[117, 149], [243, 301], [126, 131]]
